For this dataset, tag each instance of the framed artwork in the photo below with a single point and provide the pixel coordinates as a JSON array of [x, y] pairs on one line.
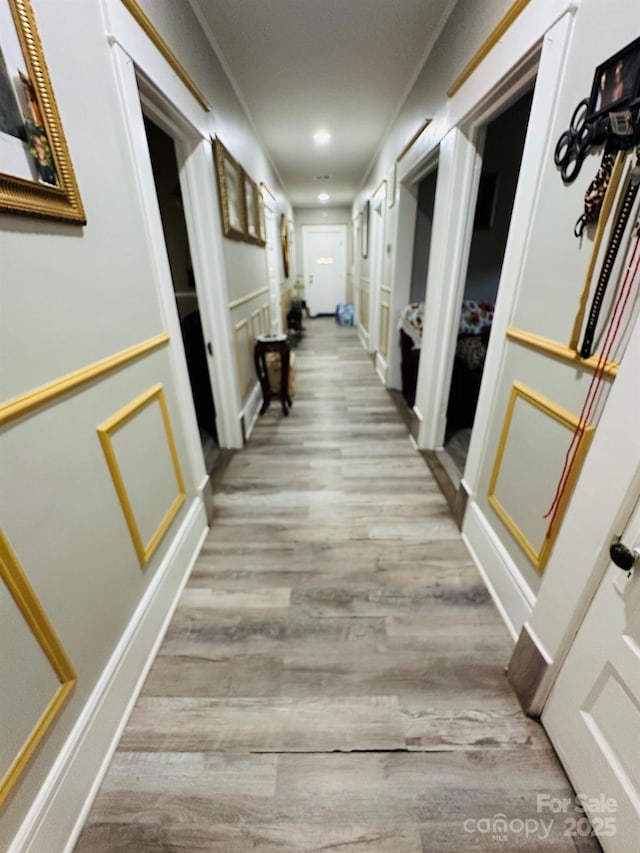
[[616, 81], [251, 194], [262, 222], [36, 176], [284, 243], [364, 231], [231, 191]]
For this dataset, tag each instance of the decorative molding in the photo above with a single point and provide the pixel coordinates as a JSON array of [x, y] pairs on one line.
[[561, 351], [268, 190], [266, 317], [105, 432], [538, 557], [384, 328], [425, 124], [603, 216], [385, 288], [59, 809], [243, 378], [381, 185], [364, 309], [145, 23], [27, 602], [17, 407], [244, 299], [494, 37], [255, 322]]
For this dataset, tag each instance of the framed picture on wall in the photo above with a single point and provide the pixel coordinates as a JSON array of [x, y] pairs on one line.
[[231, 191], [36, 176], [284, 243], [252, 208], [364, 230], [616, 82]]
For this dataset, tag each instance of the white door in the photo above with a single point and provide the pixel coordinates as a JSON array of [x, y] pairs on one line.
[[593, 713], [325, 266]]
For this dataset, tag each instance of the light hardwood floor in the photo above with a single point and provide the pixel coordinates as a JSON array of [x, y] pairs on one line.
[[333, 677]]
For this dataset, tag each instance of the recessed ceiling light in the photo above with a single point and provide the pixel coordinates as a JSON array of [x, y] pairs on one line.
[[324, 197], [322, 137]]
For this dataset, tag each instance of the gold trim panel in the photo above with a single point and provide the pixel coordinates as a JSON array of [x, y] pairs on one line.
[[17, 407], [425, 124], [537, 557], [384, 328], [145, 23], [268, 190], [560, 351], [27, 602], [243, 380], [244, 299], [494, 37], [105, 432]]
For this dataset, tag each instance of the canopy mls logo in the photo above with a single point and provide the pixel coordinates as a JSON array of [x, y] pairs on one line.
[[568, 817]]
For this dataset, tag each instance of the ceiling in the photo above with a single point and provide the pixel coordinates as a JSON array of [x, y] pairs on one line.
[[344, 66]]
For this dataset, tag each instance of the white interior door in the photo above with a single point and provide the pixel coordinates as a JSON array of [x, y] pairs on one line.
[[325, 266], [593, 712]]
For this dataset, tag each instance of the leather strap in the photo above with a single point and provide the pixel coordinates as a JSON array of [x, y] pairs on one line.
[[607, 266]]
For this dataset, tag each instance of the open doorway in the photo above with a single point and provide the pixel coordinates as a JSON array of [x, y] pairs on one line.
[[412, 314], [502, 155], [167, 183]]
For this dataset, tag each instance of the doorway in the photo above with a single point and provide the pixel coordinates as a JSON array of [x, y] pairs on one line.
[[325, 267], [412, 314], [167, 184], [504, 139], [593, 713]]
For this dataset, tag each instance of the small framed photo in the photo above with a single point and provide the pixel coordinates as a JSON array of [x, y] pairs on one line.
[[36, 176], [284, 244], [616, 82], [232, 193]]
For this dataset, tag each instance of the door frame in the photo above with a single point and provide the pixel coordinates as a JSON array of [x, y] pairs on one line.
[[322, 227], [195, 165]]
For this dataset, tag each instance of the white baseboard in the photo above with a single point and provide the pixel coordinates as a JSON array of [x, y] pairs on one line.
[[363, 336], [58, 813], [499, 572], [252, 409], [381, 368]]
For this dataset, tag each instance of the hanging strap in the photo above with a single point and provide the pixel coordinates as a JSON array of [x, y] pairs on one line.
[[609, 260]]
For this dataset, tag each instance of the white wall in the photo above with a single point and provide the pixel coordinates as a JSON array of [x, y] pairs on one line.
[[70, 297], [542, 276]]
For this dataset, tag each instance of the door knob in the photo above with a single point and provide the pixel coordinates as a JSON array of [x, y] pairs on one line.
[[624, 558]]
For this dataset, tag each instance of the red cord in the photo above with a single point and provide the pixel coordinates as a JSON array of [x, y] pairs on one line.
[[596, 381]]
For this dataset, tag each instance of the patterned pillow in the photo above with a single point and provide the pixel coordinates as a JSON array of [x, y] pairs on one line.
[[475, 317], [471, 351]]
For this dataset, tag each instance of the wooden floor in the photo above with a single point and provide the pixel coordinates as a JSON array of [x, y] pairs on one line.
[[333, 677]]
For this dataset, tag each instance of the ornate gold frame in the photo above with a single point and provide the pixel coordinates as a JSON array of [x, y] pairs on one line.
[[30, 197], [284, 244], [232, 201], [27, 602]]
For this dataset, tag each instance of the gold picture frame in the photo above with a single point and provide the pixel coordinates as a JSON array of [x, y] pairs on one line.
[[36, 175], [284, 244], [252, 208], [231, 190]]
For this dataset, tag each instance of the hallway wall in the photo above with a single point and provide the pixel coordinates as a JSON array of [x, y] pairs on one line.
[[73, 297], [516, 456]]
